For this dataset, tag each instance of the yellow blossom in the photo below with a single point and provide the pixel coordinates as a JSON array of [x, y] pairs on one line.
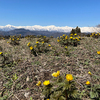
[[0, 53], [71, 37], [47, 82], [54, 74], [89, 73], [37, 42], [39, 83], [42, 42], [35, 45], [87, 82], [58, 40], [66, 37], [79, 37], [31, 47], [49, 45], [13, 39], [75, 34], [28, 44], [78, 40], [71, 34], [17, 38], [98, 52], [65, 46], [58, 72], [69, 77], [63, 34]]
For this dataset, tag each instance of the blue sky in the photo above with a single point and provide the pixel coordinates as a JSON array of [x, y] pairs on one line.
[[72, 13]]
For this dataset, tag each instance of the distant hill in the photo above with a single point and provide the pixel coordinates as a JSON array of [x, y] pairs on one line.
[[25, 32]]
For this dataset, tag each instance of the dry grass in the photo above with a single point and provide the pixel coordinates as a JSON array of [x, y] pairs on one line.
[[83, 58]]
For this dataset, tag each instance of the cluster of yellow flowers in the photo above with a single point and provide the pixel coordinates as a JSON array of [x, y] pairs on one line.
[[56, 74], [69, 77]]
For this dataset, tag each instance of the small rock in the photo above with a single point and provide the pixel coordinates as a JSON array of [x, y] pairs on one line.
[[27, 94]]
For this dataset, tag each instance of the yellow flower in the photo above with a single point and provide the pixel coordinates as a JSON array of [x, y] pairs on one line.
[[35, 45], [28, 44], [71, 37], [99, 33], [37, 42], [69, 77], [13, 39], [49, 45], [63, 34], [58, 72], [47, 99], [66, 37], [75, 34], [54, 74], [58, 40], [47, 82], [17, 38], [79, 37], [98, 52], [65, 46], [31, 47], [44, 36], [89, 73], [42, 42], [71, 34], [0, 53], [78, 40], [10, 38], [7, 42], [87, 82], [39, 83], [96, 34]]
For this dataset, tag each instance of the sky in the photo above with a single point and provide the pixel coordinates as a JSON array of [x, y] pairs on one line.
[[72, 13]]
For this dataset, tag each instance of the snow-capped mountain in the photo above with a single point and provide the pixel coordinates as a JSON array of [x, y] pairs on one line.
[[49, 28]]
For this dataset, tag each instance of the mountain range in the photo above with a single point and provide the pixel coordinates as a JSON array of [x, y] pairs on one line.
[[40, 30]]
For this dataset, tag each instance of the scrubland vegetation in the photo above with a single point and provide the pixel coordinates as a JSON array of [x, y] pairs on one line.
[[42, 68]]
